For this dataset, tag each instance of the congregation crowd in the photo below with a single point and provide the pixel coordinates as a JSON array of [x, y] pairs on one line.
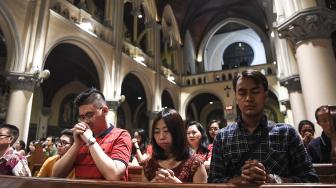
[[252, 150]]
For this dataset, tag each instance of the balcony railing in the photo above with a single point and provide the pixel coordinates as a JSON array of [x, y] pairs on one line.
[[138, 55], [81, 18], [224, 75]]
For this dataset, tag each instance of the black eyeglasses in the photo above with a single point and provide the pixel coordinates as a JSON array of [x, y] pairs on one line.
[[87, 115], [4, 136], [61, 143]]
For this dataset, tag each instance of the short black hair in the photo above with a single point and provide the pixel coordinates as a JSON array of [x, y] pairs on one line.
[[13, 131], [90, 96], [175, 125], [68, 133], [255, 75], [221, 123], [324, 108], [306, 122]]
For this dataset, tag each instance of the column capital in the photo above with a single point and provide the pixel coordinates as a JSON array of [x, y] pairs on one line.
[[311, 23], [286, 103], [152, 114], [113, 104], [292, 83], [22, 81]]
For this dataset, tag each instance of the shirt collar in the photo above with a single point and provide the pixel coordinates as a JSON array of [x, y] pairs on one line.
[[8, 154], [325, 139], [104, 133], [263, 124]]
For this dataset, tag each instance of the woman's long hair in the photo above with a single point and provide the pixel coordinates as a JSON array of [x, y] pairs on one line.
[[175, 126]]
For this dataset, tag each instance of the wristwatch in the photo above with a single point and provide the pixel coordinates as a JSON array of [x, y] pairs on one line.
[[276, 178], [91, 141]]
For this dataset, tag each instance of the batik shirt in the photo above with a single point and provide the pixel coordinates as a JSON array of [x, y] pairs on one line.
[[280, 150], [14, 164]]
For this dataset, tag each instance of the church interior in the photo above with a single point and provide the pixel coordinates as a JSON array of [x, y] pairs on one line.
[[145, 55]]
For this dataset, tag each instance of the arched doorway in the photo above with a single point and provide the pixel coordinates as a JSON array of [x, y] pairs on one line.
[[135, 102], [204, 108], [3, 85], [166, 100], [71, 71]]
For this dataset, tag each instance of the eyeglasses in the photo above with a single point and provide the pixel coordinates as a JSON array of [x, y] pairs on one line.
[[87, 115], [4, 136], [61, 143]]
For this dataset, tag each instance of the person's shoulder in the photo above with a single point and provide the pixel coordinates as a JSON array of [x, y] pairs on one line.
[[120, 131], [280, 126], [52, 158], [229, 128], [315, 141]]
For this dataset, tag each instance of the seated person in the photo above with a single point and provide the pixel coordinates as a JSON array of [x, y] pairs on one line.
[[100, 150], [323, 149], [254, 150], [171, 161], [49, 148], [10, 162], [306, 130], [63, 144], [19, 147], [141, 152], [198, 140]]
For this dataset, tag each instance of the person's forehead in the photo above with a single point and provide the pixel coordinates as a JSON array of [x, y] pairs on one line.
[[246, 82], [323, 114], [4, 130], [64, 137]]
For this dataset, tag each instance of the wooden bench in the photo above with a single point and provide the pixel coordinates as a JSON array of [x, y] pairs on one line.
[[33, 182], [36, 160], [136, 174], [326, 172]]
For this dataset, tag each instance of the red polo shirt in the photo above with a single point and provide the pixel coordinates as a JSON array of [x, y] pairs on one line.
[[115, 142]]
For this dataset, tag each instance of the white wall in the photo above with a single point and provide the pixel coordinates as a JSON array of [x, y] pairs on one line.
[[218, 43]]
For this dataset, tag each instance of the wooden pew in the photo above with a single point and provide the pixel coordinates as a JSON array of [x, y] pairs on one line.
[[136, 174], [33, 182], [36, 160], [326, 172]]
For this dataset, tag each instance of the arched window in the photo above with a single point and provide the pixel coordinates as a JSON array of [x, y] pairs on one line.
[[237, 54]]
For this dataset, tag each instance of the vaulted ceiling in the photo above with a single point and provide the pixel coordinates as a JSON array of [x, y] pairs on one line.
[[199, 16]]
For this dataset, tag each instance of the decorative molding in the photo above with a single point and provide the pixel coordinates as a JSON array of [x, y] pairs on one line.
[[22, 81], [311, 23], [152, 114], [113, 104], [286, 103], [292, 83]]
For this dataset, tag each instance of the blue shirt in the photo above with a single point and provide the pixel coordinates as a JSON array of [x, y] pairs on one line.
[[280, 150], [319, 149]]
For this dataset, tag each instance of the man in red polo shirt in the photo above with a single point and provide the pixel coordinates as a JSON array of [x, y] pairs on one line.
[[100, 151]]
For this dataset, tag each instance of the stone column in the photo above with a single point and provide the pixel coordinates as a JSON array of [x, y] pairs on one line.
[[288, 113], [309, 30], [295, 97], [113, 110], [115, 21], [42, 127], [20, 101]]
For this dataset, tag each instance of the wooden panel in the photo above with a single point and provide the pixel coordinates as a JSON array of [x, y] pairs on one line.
[[33, 182]]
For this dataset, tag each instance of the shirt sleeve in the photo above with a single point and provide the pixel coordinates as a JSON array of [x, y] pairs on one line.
[[21, 168], [300, 165], [122, 148], [218, 167]]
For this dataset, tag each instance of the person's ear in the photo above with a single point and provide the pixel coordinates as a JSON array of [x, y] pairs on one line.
[[105, 109]]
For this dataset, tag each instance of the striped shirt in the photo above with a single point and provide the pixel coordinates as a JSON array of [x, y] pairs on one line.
[[280, 150]]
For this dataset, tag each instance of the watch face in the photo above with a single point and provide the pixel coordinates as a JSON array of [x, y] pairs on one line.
[[277, 179]]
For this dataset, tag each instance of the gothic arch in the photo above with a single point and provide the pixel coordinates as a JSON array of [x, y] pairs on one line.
[[10, 32], [92, 52], [257, 29]]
